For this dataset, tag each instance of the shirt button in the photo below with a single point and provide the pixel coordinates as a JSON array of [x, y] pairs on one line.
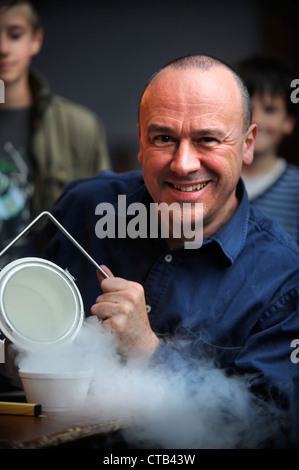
[[148, 308], [168, 258]]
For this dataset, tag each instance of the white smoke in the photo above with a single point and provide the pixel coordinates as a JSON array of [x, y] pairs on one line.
[[161, 408]]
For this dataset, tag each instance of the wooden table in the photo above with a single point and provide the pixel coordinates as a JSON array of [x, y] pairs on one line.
[[57, 430]]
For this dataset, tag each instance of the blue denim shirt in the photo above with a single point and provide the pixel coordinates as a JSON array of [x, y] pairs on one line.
[[236, 298]]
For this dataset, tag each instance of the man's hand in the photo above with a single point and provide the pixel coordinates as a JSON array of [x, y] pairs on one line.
[[122, 309]]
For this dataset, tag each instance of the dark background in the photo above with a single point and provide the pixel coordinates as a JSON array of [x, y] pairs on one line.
[[101, 54]]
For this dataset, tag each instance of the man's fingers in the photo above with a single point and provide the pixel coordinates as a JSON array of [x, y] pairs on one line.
[[100, 276]]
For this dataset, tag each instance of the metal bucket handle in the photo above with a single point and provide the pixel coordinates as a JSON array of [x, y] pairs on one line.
[[52, 218]]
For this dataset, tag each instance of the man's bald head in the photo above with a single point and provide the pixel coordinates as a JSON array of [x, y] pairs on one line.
[[205, 63]]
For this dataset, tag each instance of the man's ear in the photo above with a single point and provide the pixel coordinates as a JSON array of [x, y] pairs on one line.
[[249, 143]]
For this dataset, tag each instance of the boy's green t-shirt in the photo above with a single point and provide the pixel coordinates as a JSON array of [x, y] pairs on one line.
[[16, 184]]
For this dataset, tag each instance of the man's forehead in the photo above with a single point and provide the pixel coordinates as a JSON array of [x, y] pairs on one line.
[[191, 86], [192, 93]]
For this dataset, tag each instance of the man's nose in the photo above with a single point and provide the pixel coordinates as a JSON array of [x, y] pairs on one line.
[[186, 159]]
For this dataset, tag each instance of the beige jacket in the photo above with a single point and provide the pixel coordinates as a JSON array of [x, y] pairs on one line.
[[68, 142]]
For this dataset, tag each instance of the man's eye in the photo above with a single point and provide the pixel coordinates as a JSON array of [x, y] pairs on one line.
[[163, 139], [208, 140]]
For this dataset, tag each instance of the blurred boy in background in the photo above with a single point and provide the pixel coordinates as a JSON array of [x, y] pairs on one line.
[[271, 182], [45, 140]]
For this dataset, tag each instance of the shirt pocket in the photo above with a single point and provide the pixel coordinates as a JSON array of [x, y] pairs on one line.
[[194, 348]]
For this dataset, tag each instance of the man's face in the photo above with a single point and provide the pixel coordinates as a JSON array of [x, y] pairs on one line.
[[270, 114], [192, 141], [18, 43]]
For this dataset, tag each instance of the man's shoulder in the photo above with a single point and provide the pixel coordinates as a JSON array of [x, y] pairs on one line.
[[266, 232]]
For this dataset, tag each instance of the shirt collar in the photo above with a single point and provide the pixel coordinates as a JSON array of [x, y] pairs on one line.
[[231, 237]]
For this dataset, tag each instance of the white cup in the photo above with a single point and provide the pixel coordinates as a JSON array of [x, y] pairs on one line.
[[56, 392]]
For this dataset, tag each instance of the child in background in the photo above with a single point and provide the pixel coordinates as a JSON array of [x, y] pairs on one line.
[[45, 140], [271, 182]]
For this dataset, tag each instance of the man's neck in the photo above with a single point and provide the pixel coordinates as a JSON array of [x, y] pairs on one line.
[[209, 227], [17, 95]]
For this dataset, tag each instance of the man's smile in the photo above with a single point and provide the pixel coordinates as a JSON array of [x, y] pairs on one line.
[[194, 187]]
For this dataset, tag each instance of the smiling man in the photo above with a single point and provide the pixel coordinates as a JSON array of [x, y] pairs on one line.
[[234, 299], [193, 140]]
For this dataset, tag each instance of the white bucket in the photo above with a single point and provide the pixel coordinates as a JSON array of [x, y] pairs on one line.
[[56, 392]]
